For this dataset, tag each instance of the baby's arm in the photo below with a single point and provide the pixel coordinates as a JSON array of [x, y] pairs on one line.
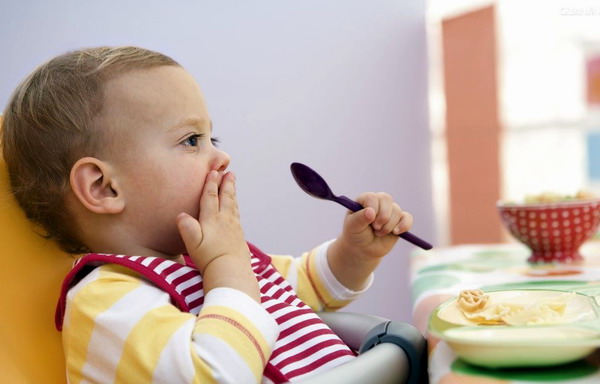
[[333, 274], [313, 280], [241, 329], [367, 236]]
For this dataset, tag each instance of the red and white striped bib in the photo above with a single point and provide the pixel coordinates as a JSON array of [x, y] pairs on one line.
[[306, 345]]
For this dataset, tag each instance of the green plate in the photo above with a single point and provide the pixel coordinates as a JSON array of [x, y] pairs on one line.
[[572, 336]]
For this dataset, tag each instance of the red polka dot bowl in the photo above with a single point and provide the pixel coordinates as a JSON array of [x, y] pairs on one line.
[[553, 231]]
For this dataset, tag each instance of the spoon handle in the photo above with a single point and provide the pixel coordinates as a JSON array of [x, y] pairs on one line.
[[416, 240], [354, 206], [348, 203]]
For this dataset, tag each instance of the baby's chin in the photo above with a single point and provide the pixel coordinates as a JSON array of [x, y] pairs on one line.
[[171, 248], [177, 250]]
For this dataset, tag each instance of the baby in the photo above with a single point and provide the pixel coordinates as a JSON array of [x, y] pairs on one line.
[[111, 151]]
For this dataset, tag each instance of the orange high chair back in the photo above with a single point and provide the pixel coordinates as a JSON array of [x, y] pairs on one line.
[[31, 272]]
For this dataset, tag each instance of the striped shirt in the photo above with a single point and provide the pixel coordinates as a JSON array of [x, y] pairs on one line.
[[121, 324]]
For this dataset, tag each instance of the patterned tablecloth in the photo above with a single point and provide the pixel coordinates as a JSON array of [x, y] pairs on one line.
[[440, 274]]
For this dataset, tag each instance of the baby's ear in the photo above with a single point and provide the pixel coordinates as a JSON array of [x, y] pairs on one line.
[[93, 182]]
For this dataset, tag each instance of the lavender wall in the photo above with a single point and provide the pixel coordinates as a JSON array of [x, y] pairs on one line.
[[339, 85]]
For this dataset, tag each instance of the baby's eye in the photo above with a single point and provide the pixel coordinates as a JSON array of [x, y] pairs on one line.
[[191, 141], [215, 141]]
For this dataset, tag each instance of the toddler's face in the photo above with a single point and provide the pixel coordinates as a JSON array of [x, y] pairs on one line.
[[161, 150]]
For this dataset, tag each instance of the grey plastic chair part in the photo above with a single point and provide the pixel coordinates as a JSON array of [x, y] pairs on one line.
[[390, 351], [386, 363], [406, 337], [353, 328]]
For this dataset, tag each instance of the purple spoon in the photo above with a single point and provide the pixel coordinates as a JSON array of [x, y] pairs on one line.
[[313, 184]]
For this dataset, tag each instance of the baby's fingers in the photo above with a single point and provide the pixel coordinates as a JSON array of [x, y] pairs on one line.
[[387, 213], [209, 201], [227, 197], [369, 199], [190, 232], [405, 223], [388, 220]]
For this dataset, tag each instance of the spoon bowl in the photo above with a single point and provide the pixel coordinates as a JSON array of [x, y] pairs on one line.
[[310, 181], [313, 184]]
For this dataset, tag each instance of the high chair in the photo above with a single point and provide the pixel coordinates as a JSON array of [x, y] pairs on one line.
[[31, 269], [31, 272]]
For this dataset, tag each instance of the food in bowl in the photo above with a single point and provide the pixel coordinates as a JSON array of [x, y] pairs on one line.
[[544, 310], [471, 300], [552, 197], [502, 308]]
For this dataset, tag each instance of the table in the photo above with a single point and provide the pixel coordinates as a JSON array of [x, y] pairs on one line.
[[440, 274]]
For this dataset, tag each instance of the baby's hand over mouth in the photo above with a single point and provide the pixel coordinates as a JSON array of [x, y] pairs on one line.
[[215, 241]]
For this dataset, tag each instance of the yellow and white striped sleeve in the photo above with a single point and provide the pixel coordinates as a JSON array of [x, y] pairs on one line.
[[314, 282], [119, 328]]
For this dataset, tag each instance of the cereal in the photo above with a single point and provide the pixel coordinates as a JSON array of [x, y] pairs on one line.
[[552, 197], [540, 312], [470, 300], [493, 314], [476, 306]]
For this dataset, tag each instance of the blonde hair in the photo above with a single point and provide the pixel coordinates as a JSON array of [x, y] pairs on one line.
[[52, 121]]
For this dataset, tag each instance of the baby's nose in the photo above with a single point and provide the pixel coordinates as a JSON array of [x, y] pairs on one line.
[[222, 161]]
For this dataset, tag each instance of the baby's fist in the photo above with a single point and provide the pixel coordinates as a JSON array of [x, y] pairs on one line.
[[374, 230]]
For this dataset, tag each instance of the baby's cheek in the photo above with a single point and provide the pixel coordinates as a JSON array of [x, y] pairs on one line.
[[195, 190]]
